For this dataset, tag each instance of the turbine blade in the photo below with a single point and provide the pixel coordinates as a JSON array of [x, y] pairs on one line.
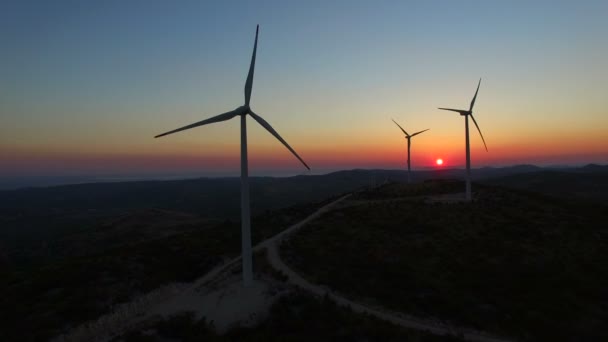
[[455, 110], [249, 82], [276, 135], [217, 118], [482, 139], [475, 97], [420, 132], [401, 128]]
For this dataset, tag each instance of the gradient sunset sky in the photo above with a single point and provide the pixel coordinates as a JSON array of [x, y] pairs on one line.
[[85, 85]]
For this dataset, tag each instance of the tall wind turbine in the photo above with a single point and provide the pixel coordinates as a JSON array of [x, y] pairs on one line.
[[466, 114], [243, 111], [409, 137]]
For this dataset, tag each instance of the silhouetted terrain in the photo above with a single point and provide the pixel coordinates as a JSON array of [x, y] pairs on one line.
[[41, 300], [513, 262], [34, 219], [296, 317], [589, 182], [529, 264], [38, 222]]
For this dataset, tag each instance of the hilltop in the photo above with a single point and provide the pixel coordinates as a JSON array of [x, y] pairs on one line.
[[518, 263], [513, 262]]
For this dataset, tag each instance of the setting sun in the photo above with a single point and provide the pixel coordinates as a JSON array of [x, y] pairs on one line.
[[439, 161]]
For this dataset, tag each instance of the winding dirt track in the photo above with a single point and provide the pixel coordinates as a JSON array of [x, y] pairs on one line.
[[396, 318], [99, 331]]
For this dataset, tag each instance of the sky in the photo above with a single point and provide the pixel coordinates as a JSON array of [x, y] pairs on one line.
[[86, 85]]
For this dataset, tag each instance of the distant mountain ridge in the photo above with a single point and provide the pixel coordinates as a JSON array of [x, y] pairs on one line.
[[218, 197], [18, 182], [589, 182], [127, 237], [50, 211]]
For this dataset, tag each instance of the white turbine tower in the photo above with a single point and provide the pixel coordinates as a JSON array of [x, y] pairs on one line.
[[409, 137], [243, 111], [466, 114]]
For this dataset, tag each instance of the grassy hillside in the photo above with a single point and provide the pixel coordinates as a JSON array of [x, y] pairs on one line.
[[35, 218], [589, 183], [512, 262], [42, 300], [37, 223]]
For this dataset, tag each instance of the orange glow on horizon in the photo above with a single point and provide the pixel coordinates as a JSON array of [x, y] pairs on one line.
[[265, 154]]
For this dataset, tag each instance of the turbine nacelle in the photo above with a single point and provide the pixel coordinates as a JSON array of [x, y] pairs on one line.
[[408, 136], [459, 111], [242, 110], [469, 112]]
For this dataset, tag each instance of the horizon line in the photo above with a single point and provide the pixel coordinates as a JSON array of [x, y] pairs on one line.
[[80, 179]]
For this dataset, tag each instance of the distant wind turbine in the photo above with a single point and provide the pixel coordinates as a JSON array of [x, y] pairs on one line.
[[243, 111], [408, 137], [466, 114]]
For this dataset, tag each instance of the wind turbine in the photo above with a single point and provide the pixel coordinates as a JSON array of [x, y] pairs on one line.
[[409, 137], [243, 111], [466, 114]]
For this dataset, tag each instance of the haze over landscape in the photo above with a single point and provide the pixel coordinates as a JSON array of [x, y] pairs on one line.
[[304, 203]]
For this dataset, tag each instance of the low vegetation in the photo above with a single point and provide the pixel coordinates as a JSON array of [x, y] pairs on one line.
[[294, 317], [48, 298], [512, 262], [588, 183]]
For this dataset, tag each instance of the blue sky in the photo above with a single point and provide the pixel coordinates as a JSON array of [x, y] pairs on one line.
[[99, 78]]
